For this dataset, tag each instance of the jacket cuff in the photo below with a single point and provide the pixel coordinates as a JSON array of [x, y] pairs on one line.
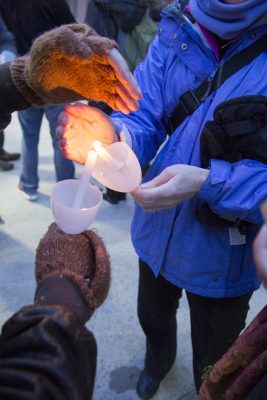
[[212, 187], [123, 133], [58, 290], [11, 99]]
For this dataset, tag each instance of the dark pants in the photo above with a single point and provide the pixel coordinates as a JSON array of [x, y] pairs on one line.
[[2, 139], [215, 324]]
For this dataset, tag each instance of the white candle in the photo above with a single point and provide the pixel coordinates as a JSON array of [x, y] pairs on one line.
[[86, 175], [106, 156]]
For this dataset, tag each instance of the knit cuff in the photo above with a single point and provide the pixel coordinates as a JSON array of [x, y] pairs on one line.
[[17, 71]]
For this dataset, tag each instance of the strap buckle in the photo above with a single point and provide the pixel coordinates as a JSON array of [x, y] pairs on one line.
[[189, 102]]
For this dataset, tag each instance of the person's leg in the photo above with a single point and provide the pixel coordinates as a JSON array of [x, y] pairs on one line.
[[2, 139], [158, 301], [30, 121], [4, 155], [4, 164], [215, 325], [64, 168]]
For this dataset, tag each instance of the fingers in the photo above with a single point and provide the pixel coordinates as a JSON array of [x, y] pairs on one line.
[[260, 253], [122, 106], [143, 200], [261, 240], [162, 178], [71, 114], [83, 112], [126, 98], [77, 110], [123, 74], [154, 198], [229, 363], [60, 132]]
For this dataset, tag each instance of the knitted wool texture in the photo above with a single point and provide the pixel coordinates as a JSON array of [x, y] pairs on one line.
[[242, 366], [64, 65], [82, 258]]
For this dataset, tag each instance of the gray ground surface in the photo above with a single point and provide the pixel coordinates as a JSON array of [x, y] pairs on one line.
[[115, 325]]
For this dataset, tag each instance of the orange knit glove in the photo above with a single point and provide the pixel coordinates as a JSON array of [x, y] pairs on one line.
[[67, 64]]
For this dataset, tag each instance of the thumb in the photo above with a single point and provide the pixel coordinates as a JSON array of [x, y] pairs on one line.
[[159, 180]]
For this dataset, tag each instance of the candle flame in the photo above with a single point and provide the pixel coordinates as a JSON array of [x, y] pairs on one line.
[[105, 155], [97, 145]]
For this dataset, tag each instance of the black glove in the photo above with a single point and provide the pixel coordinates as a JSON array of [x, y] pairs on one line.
[[239, 131]]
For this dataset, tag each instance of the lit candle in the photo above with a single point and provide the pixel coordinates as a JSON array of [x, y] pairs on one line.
[[106, 156], [86, 175]]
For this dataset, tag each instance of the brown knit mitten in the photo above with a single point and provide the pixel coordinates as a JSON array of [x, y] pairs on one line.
[[64, 65], [82, 258]]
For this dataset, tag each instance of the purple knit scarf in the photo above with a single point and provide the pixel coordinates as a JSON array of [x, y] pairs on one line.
[[227, 20]]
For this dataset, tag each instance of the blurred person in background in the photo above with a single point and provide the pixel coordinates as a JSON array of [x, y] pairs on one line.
[[78, 9], [7, 53], [26, 21]]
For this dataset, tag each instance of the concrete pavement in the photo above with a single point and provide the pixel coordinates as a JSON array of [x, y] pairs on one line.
[[115, 325]]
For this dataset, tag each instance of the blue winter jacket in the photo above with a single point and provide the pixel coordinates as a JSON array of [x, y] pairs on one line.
[[202, 259]]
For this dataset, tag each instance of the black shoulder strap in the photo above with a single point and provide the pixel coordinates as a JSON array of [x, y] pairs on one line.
[[191, 100]]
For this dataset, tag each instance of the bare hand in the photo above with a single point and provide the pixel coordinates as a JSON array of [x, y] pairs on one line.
[[174, 185], [260, 254], [128, 89], [78, 126]]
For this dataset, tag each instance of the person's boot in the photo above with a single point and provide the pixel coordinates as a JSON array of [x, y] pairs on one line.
[[146, 386], [5, 165], [5, 156], [113, 197]]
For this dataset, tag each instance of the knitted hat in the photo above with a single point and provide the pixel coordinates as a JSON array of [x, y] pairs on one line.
[[82, 258]]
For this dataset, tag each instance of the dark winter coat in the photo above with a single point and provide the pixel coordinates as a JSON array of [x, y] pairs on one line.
[[28, 19], [46, 352], [108, 16], [7, 41]]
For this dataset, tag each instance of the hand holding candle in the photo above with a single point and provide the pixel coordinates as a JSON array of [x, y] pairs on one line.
[[87, 135], [175, 184]]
